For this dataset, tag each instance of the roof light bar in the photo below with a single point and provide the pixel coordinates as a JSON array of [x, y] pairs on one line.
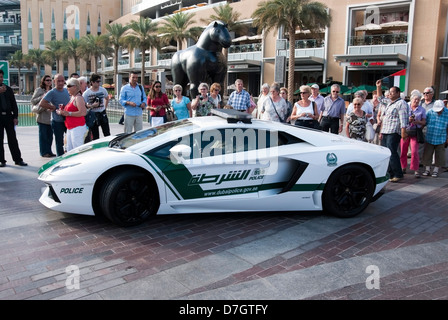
[[232, 115]]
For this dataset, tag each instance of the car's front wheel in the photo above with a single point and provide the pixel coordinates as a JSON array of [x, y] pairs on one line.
[[129, 197], [348, 191]]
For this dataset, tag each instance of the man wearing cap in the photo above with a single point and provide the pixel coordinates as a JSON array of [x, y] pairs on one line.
[[395, 120], [316, 96], [436, 138]]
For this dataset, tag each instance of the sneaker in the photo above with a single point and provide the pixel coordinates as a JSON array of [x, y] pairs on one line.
[[435, 174], [21, 163], [416, 174], [426, 173], [2, 164], [395, 179]]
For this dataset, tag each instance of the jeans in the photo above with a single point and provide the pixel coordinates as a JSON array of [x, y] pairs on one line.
[[58, 130], [45, 138], [103, 122], [392, 141]]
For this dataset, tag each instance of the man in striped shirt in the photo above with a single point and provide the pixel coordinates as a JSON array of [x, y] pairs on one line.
[[395, 120]]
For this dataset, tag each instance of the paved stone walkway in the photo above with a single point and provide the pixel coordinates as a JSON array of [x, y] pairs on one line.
[[396, 249]]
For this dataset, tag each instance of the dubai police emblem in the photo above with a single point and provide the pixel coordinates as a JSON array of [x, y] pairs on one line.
[[332, 160]]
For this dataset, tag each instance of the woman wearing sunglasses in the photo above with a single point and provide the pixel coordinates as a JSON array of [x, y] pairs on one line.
[[181, 104], [74, 113], [157, 101]]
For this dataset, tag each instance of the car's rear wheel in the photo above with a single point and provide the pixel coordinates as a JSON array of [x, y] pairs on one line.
[[129, 197], [348, 191]]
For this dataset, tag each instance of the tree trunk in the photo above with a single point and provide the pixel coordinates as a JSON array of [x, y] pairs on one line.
[[291, 65], [142, 69]]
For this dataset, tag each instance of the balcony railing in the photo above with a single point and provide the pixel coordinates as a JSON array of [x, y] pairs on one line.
[[379, 39], [242, 48]]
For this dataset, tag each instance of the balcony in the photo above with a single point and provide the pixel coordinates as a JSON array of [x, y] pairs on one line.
[[250, 51], [306, 48], [379, 44]]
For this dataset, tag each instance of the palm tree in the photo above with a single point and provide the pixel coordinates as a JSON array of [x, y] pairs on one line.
[[116, 40], [71, 49], [54, 51], [37, 57], [17, 60], [93, 46], [290, 15], [226, 14], [143, 35], [177, 27]]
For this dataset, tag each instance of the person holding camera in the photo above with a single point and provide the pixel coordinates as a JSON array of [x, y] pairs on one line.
[[203, 103], [97, 99]]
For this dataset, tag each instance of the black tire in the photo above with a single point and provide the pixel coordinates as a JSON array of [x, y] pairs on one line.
[[129, 198], [348, 191]]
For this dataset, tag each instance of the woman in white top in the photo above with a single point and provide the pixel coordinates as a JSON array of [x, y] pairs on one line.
[[305, 111], [274, 107]]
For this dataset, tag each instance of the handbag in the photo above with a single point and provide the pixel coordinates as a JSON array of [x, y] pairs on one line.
[[170, 115], [420, 135], [90, 119], [156, 121], [411, 131], [370, 132]]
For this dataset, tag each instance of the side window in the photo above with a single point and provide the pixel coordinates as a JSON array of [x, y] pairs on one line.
[[218, 142]]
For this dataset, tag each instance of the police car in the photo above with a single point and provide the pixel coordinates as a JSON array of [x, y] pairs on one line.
[[226, 162]]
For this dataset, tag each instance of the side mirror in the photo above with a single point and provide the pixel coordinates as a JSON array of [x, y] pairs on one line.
[[179, 153]]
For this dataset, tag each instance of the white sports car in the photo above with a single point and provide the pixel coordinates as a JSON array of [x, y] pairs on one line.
[[222, 163]]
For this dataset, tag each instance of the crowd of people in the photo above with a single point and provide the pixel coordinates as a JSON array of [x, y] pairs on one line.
[[416, 128]]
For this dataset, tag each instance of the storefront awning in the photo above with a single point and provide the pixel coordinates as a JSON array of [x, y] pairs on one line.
[[306, 63], [371, 60], [243, 65]]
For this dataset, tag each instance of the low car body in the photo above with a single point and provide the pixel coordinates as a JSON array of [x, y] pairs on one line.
[[222, 163]]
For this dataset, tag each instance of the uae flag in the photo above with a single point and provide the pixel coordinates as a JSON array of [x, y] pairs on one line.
[[398, 79]]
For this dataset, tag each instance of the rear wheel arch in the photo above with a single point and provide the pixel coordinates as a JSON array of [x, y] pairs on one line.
[[349, 190]]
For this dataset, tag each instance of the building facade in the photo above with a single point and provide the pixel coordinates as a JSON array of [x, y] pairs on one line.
[[367, 40]]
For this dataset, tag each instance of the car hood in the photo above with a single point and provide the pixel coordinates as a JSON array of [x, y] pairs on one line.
[[84, 153]]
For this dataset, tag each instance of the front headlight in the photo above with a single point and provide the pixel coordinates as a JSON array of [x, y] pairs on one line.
[[63, 167]]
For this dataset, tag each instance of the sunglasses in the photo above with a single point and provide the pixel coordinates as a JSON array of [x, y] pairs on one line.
[[335, 91], [157, 87], [177, 90], [47, 80], [356, 104], [427, 92], [70, 85], [304, 92]]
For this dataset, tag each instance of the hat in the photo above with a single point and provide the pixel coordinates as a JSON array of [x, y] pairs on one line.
[[315, 86], [438, 106]]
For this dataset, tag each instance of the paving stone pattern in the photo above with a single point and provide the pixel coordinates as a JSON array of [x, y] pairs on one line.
[[308, 256]]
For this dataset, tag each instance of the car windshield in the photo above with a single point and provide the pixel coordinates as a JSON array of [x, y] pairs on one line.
[[125, 141]]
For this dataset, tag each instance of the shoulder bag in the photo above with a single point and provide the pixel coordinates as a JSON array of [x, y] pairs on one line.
[[280, 118]]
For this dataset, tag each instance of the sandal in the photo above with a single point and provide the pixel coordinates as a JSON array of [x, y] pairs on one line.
[[435, 174], [426, 173]]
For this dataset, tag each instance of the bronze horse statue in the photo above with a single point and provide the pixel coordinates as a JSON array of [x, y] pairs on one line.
[[203, 62]]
